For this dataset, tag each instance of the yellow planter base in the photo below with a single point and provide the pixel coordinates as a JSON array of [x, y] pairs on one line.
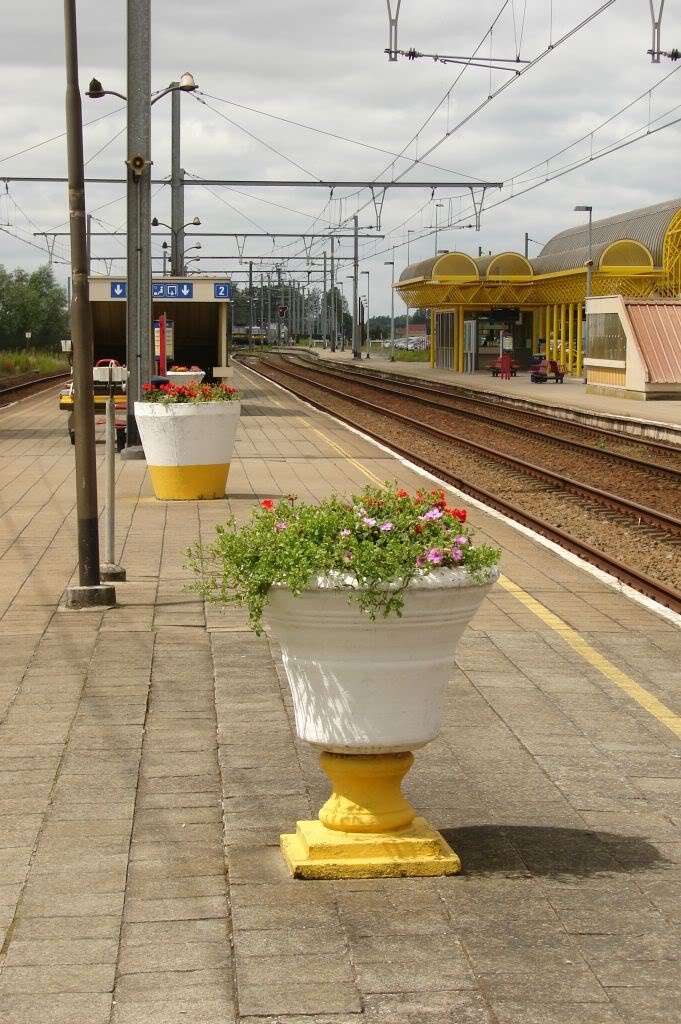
[[415, 851], [185, 483]]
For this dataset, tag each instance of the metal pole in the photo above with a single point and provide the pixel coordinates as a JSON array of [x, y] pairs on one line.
[[589, 264], [262, 310], [81, 334], [250, 306], [392, 315], [527, 244], [324, 332], [140, 357], [281, 303], [109, 506], [89, 241], [269, 305], [356, 340], [368, 319], [176, 186], [334, 318]]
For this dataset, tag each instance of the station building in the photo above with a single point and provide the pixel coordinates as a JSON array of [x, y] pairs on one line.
[[474, 302]]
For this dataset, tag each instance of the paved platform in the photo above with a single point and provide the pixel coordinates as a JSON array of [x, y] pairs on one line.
[[148, 765], [560, 398]]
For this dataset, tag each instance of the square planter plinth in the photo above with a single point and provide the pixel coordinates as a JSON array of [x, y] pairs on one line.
[[315, 851]]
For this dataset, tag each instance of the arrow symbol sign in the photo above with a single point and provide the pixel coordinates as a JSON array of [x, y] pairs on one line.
[[118, 290], [185, 289]]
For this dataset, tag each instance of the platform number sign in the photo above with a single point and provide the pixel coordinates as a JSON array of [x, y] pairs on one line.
[[222, 291], [283, 310]]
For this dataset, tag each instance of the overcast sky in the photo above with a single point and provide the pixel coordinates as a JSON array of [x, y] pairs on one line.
[[323, 66]]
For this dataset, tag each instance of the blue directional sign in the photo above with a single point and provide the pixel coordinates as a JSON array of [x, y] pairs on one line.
[[172, 290], [222, 291], [119, 289]]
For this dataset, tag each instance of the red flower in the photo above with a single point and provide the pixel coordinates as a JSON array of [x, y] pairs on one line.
[[402, 494], [418, 528], [457, 513], [268, 504], [147, 387]]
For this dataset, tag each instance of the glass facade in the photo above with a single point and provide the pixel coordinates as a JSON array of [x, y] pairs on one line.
[[607, 339]]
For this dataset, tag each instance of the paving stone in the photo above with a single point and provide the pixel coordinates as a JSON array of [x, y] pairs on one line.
[[175, 956], [57, 1008], [51, 952], [190, 908], [266, 996], [90, 927], [175, 1011], [64, 978], [151, 986]]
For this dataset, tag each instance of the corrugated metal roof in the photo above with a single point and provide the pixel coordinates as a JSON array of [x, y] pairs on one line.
[[657, 327], [647, 225]]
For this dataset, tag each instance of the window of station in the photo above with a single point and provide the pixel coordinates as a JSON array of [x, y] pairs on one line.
[[607, 339]]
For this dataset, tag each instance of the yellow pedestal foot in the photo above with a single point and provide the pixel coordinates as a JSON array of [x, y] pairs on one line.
[[366, 793], [417, 850]]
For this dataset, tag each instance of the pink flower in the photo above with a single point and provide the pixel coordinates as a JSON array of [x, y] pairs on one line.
[[421, 560], [386, 526], [280, 526], [368, 522], [345, 533], [435, 556], [433, 513], [347, 555], [456, 554], [461, 540]]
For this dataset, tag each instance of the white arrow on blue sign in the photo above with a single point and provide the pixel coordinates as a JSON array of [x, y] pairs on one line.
[[119, 289]]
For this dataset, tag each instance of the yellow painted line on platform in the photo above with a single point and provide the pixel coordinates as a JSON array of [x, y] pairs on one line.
[[571, 637], [341, 451]]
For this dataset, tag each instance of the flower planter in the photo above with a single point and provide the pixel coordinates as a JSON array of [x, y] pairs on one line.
[[367, 694], [185, 376], [188, 447], [372, 687]]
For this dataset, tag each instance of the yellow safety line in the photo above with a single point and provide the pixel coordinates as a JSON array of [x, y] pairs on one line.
[[571, 637], [651, 704], [341, 451]]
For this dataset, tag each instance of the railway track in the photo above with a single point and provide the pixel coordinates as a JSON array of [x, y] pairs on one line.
[[588, 520], [26, 387]]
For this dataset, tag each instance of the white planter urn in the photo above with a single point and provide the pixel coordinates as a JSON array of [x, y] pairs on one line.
[[185, 376], [188, 446], [367, 694]]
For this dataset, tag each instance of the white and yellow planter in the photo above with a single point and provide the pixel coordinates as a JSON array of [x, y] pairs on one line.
[[188, 446], [185, 376], [366, 694]]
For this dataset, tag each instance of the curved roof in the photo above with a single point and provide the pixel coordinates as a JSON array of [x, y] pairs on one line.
[[570, 249], [448, 264], [504, 264]]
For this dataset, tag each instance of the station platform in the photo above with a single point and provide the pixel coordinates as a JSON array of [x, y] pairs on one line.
[[148, 765], [569, 400]]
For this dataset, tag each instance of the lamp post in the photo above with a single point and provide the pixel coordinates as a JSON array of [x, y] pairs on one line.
[[177, 243], [438, 206], [164, 246], [365, 273], [589, 266], [410, 232], [140, 347], [391, 263]]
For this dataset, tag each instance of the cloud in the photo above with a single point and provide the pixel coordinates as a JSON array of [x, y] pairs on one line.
[[323, 65]]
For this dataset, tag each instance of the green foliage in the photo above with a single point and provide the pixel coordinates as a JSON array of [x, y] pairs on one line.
[[177, 394], [375, 543], [32, 302], [13, 362], [406, 356]]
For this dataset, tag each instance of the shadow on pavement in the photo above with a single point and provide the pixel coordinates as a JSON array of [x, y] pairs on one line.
[[549, 851]]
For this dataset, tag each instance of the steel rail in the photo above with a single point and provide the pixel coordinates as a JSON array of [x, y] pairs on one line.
[[493, 417], [31, 383], [634, 578], [660, 520]]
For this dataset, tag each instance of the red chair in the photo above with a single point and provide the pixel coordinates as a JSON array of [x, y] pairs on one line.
[[558, 371]]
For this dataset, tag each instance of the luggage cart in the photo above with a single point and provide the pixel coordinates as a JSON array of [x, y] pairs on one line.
[[108, 377]]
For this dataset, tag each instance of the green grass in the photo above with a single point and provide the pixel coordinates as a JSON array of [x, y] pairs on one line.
[[13, 362], [404, 356]]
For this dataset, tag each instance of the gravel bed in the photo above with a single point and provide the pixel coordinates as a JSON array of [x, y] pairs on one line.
[[638, 546], [555, 428], [591, 467]]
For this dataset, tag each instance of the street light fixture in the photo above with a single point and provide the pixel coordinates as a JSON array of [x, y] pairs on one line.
[[176, 232], [438, 206], [186, 84], [391, 263], [366, 273], [589, 267]]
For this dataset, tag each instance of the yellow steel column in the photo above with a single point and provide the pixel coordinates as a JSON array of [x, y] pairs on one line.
[[455, 342], [554, 344], [561, 348], [433, 314], [461, 339], [579, 340], [571, 337]]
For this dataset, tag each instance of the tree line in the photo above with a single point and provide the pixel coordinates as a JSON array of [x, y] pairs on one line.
[[32, 303]]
